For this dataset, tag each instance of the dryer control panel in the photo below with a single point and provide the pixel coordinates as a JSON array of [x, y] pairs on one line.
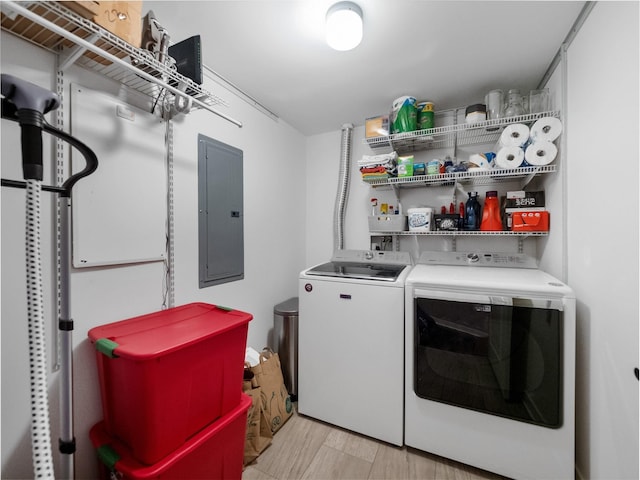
[[478, 259]]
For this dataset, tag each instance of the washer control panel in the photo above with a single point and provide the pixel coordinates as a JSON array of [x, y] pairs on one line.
[[372, 256]]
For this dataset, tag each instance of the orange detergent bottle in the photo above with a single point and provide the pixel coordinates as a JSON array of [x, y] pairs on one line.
[[491, 213]]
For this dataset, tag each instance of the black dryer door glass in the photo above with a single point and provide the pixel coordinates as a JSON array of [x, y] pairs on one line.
[[504, 360]]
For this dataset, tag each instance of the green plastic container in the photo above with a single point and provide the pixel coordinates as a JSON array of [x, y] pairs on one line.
[[404, 115], [425, 115]]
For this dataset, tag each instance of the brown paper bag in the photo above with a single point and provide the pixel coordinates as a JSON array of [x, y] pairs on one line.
[[258, 436], [275, 398]]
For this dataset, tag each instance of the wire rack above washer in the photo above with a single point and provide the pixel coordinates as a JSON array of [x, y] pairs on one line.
[[448, 136]]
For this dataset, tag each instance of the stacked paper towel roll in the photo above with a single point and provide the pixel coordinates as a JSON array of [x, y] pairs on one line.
[[541, 149], [509, 157], [519, 145], [546, 128], [540, 152], [514, 135], [481, 161]]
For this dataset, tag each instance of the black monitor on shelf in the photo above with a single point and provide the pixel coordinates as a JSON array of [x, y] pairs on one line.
[[188, 57]]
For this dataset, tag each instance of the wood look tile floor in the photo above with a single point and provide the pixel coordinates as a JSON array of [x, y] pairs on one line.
[[305, 448]]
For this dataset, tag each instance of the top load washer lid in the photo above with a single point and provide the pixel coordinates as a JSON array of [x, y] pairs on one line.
[[365, 271], [364, 265]]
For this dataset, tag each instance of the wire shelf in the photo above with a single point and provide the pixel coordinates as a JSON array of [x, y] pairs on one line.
[[56, 13], [477, 177], [447, 136], [457, 233]]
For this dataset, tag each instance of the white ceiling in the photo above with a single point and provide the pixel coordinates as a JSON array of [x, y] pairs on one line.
[[449, 52]]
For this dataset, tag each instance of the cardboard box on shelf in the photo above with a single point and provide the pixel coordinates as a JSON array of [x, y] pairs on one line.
[[447, 222], [89, 10], [522, 199], [84, 9], [405, 166], [377, 126], [123, 19]]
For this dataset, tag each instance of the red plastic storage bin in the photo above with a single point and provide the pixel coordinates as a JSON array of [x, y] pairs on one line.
[[166, 375], [213, 453]]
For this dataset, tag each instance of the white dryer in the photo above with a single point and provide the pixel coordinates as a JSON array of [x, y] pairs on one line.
[[490, 364], [351, 342]]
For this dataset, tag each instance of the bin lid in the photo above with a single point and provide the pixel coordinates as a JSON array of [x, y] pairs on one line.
[[163, 332], [288, 307]]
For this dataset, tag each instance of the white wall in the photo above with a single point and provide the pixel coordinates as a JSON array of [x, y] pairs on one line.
[[550, 249], [323, 157], [602, 148], [274, 235], [274, 172]]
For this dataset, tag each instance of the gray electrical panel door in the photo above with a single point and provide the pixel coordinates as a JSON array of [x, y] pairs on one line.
[[220, 219]]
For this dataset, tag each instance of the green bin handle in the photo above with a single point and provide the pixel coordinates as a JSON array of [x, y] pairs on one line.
[[107, 347], [108, 456]]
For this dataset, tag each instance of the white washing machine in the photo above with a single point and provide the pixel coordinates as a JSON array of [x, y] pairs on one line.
[[490, 364], [351, 342]]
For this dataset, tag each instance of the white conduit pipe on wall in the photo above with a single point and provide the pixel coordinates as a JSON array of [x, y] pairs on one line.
[[343, 187], [40, 432]]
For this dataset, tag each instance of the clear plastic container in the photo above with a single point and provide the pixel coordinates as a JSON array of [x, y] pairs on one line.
[[514, 104]]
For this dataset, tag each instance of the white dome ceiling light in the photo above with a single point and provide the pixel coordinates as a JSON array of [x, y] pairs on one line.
[[344, 26]]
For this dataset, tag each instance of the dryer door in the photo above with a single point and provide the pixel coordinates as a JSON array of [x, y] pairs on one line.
[[497, 355]]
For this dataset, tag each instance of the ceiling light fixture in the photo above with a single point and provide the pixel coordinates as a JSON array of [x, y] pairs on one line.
[[344, 26]]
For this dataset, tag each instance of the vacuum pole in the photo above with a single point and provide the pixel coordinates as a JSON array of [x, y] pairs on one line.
[[67, 442]]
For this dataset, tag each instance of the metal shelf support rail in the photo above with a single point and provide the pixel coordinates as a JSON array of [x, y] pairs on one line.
[[87, 45]]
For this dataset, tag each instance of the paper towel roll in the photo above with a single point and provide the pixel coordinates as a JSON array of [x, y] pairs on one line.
[[514, 135], [481, 161], [540, 153], [546, 128], [509, 157]]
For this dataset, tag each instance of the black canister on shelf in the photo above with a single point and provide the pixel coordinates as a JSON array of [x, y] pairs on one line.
[[475, 113], [472, 212]]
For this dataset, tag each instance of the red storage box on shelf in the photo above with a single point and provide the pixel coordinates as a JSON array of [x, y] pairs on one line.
[[166, 375], [213, 453], [530, 221]]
